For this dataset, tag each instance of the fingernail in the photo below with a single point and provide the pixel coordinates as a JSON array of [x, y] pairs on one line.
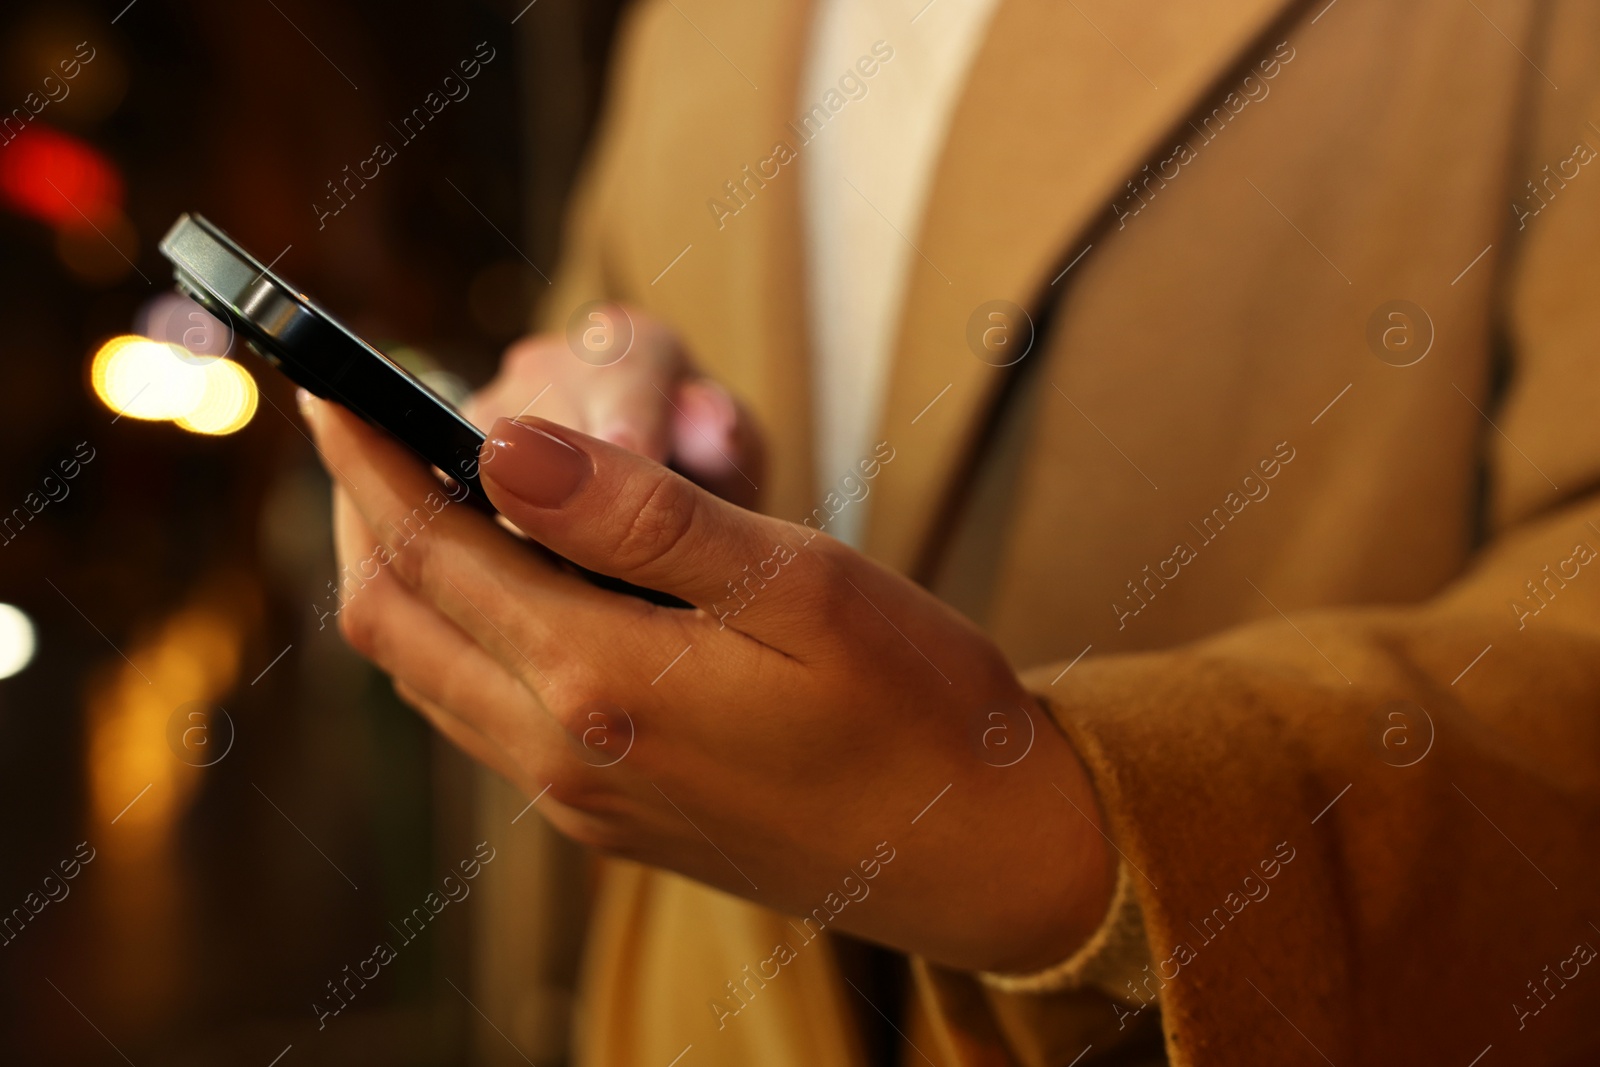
[[534, 464], [302, 400]]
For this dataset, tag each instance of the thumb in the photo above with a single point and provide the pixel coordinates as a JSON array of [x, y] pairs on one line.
[[613, 511]]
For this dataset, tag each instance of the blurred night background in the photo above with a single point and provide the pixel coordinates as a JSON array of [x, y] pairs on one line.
[[257, 805]]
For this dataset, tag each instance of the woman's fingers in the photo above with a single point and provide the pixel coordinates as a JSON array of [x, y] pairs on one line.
[[535, 619], [532, 378], [714, 442], [623, 377], [615, 391], [617, 513], [430, 655]]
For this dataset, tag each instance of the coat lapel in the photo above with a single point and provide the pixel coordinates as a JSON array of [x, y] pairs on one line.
[[712, 247], [1064, 103]]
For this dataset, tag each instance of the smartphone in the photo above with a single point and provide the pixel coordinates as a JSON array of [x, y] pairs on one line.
[[320, 354]]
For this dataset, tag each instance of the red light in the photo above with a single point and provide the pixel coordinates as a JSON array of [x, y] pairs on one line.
[[56, 178]]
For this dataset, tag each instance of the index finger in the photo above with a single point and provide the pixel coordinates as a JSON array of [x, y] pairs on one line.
[[521, 608]]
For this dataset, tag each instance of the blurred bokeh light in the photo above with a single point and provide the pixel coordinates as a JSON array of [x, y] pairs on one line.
[[227, 403], [59, 179], [152, 380], [16, 640], [164, 569]]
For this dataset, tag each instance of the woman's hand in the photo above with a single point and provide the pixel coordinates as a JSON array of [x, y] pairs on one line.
[[813, 715], [621, 375]]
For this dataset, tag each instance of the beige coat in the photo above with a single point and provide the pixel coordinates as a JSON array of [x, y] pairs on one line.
[[1335, 608]]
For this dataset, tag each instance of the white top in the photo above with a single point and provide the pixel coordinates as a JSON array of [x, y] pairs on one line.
[[864, 176]]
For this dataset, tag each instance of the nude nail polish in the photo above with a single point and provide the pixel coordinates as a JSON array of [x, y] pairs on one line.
[[534, 464]]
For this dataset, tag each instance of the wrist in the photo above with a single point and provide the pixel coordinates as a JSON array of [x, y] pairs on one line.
[[1059, 867], [1009, 871]]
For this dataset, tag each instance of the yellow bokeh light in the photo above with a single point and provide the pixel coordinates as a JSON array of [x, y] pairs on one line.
[[193, 656], [228, 403], [145, 379]]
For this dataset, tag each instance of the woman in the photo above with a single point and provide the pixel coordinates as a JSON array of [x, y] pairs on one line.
[[1204, 665]]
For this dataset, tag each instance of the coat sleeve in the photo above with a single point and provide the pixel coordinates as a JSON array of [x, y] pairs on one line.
[[1368, 836]]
